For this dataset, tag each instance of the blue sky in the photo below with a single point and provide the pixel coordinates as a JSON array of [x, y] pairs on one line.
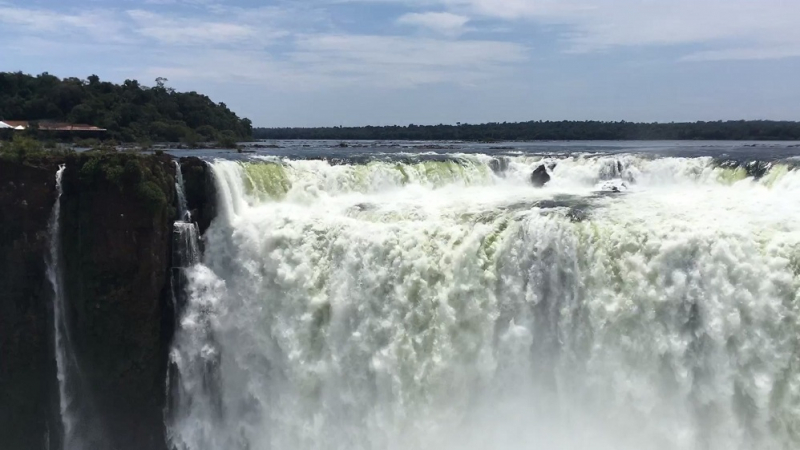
[[380, 62]]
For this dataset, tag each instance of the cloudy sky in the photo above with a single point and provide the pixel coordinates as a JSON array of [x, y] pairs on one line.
[[380, 62]]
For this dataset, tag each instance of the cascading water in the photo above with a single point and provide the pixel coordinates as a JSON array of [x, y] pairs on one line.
[[180, 188], [186, 234], [186, 255], [450, 305], [66, 364]]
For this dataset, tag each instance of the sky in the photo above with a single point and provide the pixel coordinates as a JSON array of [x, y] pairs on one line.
[[384, 62]]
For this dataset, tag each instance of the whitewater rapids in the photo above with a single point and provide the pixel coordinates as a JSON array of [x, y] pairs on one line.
[[448, 304]]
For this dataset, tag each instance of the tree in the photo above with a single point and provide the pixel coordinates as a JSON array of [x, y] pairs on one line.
[[551, 130], [129, 111], [227, 139]]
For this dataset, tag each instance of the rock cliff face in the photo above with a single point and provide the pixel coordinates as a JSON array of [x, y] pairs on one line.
[[200, 191], [116, 231], [28, 388], [117, 212]]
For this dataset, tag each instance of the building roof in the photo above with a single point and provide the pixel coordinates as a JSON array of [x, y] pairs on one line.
[[16, 124], [49, 126]]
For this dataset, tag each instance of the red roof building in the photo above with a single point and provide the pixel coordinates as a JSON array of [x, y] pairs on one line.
[[49, 126]]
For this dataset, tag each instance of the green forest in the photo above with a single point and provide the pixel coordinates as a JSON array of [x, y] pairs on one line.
[[130, 112], [547, 130]]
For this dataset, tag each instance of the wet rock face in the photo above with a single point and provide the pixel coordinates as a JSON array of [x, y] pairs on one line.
[[200, 191], [540, 177], [28, 388], [499, 165], [117, 214]]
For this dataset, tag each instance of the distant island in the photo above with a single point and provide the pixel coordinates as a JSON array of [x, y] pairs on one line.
[[47, 107], [757, 130]]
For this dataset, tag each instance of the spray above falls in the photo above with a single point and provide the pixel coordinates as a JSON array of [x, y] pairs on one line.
[[393, 304]]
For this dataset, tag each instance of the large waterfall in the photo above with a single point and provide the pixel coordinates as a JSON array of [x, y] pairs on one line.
[[445, 303]]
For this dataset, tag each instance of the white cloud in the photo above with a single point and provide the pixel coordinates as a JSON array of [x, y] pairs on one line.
[[744, 53], [187, 31], [441, 22], [94, 23], [319, 62], [735, 29], [392, 61], [399, 50]]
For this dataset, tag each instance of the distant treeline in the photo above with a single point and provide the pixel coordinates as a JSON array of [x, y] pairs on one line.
[[546, 130], [130, 112]]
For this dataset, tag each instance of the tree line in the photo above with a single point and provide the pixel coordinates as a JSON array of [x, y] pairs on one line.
[[551, 130], [129, 111]]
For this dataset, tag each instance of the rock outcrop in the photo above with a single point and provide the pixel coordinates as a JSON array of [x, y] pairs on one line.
[[540, 177], [200, 191]]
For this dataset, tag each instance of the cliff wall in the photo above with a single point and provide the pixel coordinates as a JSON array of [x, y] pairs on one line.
[[29, 416], [117, 213]]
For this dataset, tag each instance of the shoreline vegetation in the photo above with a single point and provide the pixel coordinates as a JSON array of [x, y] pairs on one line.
[[740, 130], [127, 113], [133, 117], [22, 147]]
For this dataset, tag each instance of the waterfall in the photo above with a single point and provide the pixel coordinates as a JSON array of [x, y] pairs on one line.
[[402, 304], [186, 236], [65, 358], [186, 255], [183, 208]]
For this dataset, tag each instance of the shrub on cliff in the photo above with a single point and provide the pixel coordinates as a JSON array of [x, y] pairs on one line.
[[24, 149], [139, 175]]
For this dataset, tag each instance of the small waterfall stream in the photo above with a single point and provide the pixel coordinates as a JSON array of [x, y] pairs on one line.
[[65, 357], [186, 235]]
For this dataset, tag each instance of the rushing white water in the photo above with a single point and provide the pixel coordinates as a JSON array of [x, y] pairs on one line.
[[65, 362], [186, 254], [447, 305]]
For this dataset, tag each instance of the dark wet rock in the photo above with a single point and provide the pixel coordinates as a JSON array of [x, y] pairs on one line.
[[757, 169], [117, 215], [577, 215], [201, 192], [28, 388], [540, 177], [432, 147], [754, 169], [499, 165], [614, 186], [611, 169], [116, 228]]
